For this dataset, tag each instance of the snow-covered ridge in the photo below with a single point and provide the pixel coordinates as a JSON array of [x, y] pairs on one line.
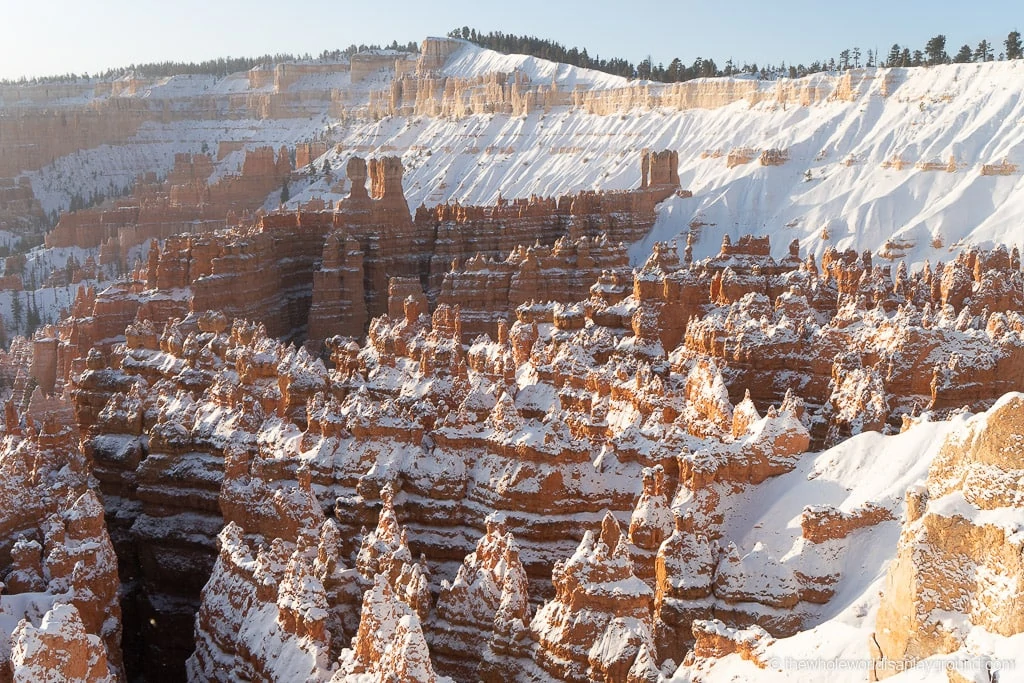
[[471, 60], [865, 163], [889, 160]]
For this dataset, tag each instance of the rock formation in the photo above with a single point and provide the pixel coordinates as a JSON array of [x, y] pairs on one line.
[[172, 406], [59, 594], [599, 622], [674, 345], [959, 551], [309, 276], [343, 440], [486, 602], [428, 92], [572, 410], [487, 292]]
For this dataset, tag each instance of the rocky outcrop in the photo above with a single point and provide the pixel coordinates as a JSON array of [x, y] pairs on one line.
[[568, 412], [659, 169], [184, 202], [59, 589], [488, 292], [299, 601], [30, 138], [714, 640], [821, 523], [598, 627], [60, 648], [959, 551], [429, 92], [389, 644], [287, 594], [825, 331], [312, 275], [486, 602], [338, 305], [19, 208], [204, 424]]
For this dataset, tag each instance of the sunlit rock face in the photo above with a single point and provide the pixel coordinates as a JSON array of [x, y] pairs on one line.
[[959, 552], [628, 401], [59, 605]]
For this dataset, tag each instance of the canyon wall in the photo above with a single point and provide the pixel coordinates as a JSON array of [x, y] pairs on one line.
[[239, 382], [429, 92], [311, 275], [184, 202]]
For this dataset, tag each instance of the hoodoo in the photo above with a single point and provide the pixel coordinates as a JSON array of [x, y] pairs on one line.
[[441, 362]]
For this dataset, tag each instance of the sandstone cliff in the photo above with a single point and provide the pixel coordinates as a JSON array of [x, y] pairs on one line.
[[959, 552]]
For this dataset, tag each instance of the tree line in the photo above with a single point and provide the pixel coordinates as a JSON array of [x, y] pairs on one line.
[[212, 67], [934, 52]]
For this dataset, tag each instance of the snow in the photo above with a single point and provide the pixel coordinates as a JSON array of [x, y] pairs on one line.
[[471, 60], [834, 181], [954, 504], [968, 111], [765, 519]]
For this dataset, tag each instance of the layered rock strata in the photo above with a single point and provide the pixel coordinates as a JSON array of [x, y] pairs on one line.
[[959, 551], [205, 420], [59, 604], [185, 202], [311, 275], [427, 91]]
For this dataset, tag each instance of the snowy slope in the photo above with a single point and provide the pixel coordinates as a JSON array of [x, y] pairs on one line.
[[868, 468], [972, 112], [471, 60]]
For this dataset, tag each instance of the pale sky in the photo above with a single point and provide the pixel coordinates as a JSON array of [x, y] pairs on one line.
[[43, 37]]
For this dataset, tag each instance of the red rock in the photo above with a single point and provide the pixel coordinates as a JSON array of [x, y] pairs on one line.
[[599, 620]]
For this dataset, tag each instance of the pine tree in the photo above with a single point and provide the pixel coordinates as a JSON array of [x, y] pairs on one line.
[[905, 59], [16, 309], [1014, 50], [32, 317], [643, 69], [935, 48], [285, 195], [674, 73], [964, 56], [894, 58], [983, 53]]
